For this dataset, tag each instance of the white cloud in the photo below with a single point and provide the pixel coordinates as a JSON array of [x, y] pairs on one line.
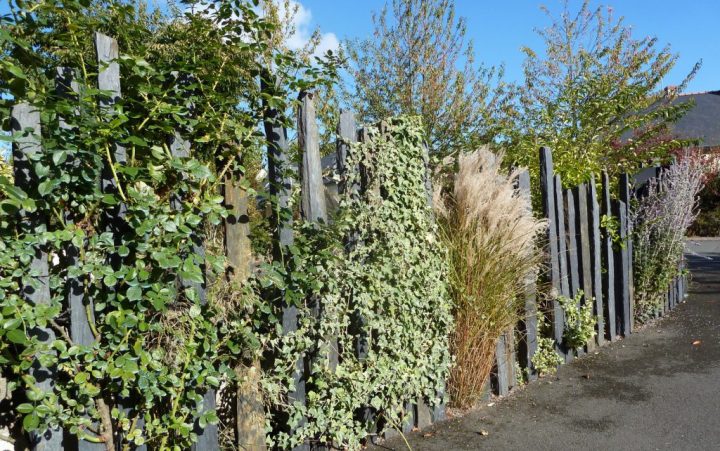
[[302, 23]]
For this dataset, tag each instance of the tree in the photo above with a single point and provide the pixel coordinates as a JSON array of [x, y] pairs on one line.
[[594, 96], [419, 62]]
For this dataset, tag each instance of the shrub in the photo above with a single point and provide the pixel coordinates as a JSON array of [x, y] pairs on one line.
[[489, 230], [579, 320], [660, 221], [546, 360]]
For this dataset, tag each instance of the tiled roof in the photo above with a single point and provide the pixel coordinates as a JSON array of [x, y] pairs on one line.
[[702, 121]]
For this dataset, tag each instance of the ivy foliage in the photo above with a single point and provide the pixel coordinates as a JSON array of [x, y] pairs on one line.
[[157, 344], [374, 279], [579, 320]]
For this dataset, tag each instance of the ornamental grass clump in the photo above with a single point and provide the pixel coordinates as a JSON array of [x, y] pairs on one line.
[[489, 230], [660, 221]]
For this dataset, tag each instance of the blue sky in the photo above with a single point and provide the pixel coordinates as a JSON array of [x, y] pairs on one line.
[[500, 28]]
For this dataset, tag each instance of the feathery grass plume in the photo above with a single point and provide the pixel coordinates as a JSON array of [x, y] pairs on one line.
[[660, 221], [490, 232]]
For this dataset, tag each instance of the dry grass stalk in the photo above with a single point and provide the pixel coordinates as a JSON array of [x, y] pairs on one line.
[[490, 232]]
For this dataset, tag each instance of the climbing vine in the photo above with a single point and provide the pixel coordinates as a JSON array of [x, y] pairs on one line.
[[377, 276], [134, 253]]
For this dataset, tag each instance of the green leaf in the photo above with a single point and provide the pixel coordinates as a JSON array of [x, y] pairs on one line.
[[45, 187], [134, 293], [59, 157], [25, 408], [17, 336], [31, 422]]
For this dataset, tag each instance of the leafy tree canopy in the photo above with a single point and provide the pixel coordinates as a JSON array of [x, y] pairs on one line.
[[594, 94]]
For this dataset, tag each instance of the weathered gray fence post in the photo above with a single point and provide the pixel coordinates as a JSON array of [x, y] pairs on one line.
[[25, 125], [622, 288], [562, 240], [249, 408], [313, 189], [608, 259], [80, 308], [109, 82], [208, 438], [281, 180], [528, 326], [572, 259], [584, 258], [107, 52], [550, 211], [572, 244], [625, 198], [596, 260], [347, 132], [502, 365]]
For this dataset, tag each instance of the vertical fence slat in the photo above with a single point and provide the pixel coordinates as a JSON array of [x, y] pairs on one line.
[[249, 409], [501, 364], [584, 258], [66, 86], [281, 180], [572, 243], [622, 289], [572, 255], [313, 189], [583, 231], [207, 437], [608, 261], [81, 310], [547, 189], [237, 228], [109, 81], [347, 131], [528, 326], [562, 239], [107, 52], [25, 124], [596, 259], [624, 190]]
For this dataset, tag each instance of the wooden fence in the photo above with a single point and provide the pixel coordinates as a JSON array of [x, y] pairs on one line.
[[581, 255]]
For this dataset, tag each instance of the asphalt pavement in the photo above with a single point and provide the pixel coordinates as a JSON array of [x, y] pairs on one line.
[[658, 389]]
